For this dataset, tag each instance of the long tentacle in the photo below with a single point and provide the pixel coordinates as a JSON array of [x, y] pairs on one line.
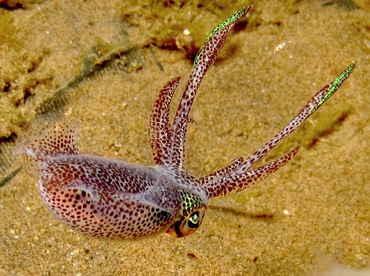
[[205, 58], [222, 181]]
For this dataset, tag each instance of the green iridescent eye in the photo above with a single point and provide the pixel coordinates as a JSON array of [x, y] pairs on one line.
[[194, 219], [189, 219]]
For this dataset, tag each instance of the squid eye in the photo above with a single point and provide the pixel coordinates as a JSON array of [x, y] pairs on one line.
[[194, 220]]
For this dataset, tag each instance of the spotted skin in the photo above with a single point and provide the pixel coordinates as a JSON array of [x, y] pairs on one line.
[[111, 198]]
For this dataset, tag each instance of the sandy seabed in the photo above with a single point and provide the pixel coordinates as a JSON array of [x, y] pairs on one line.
[[306, 218]]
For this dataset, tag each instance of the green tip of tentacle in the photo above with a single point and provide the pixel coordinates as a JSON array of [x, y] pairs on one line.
[[337, 83], [231, 20]]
